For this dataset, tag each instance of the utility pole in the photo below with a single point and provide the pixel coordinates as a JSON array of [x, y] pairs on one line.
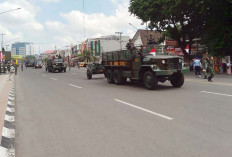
[[2, 40], [120, 34], [84, 19]]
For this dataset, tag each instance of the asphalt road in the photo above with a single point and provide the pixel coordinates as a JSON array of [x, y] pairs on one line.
[[66, 115]]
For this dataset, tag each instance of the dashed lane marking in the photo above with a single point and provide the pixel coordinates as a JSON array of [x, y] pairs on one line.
[[44, 75], [53, 78], [145, 110], [75, 86], [216, 93]]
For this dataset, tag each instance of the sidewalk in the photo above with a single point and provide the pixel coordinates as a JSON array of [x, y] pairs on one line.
[[4, 93]]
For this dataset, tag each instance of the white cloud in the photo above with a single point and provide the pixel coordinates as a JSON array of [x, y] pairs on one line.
[[20, 20], [51, 1], [96, 24], [20, 23]]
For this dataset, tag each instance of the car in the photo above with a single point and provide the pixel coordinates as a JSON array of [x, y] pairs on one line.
[[38, 64]]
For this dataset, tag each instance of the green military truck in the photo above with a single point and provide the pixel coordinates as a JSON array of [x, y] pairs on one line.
[[55, 65], [144, 67]]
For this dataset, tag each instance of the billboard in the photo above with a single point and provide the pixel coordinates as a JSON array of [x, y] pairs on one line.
[[16, 56]]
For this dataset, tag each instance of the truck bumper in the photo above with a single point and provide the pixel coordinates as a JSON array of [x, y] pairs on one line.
[[59, 68], [170, 72]]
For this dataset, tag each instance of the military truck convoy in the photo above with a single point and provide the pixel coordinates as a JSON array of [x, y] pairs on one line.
[[55, 65], [143, 67]]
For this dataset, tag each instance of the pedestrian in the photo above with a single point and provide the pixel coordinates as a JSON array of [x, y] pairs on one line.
[[228, 66], [220, 65], [197, 66], [205, 60], [16, 68], [78, 64], [0, 68], [22, 66], [191, 65], [12, 70], [26, 65], [8, 67], [211, 69], [69, 66]]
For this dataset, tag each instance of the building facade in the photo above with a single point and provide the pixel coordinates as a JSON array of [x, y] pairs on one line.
[[97, 46], [22, 48]]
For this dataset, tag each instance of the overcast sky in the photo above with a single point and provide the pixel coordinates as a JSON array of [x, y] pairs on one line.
[[60, 22]]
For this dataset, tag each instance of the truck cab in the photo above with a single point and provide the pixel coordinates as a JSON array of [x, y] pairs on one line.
[[55, 65]]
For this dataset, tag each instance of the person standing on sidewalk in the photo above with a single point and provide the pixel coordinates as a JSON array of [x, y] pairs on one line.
[[197, 66], [205, 65], [16, 68], [22, 66], [211, 69], [220, 64], [12, 70], [228, 66]]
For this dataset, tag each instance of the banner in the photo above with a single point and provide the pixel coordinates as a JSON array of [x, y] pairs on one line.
[[16, 56]]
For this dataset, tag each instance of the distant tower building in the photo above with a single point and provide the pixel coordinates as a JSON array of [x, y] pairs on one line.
[[22, 48]]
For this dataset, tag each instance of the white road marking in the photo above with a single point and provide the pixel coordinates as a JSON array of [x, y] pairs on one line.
[[143, 109], [9, 118], [10, 109], [11, 103], [53, 78], [216, 93], [9, 133], [44, 75], [6, 152], [75, 86], [11, 98]]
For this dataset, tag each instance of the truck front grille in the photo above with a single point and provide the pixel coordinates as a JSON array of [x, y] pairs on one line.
[[170, 64]]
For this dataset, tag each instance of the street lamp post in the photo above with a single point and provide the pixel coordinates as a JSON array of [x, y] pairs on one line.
[[3, 34], [10, 10]]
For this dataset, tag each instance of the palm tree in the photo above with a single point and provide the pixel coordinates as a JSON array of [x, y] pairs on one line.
[[88, 57]]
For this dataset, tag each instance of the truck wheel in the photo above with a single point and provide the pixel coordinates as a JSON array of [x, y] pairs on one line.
[[105, 74], [150, 80], [89, 74], [177, 80], [110, 76], [118, 78]]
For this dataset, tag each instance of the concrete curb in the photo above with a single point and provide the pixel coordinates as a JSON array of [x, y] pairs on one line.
[[7, 147]]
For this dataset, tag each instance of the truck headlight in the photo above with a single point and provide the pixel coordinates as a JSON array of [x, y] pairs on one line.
[[163, 61]]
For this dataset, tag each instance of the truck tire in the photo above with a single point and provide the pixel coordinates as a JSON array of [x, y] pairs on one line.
[[150, 80], [118, 78], [89, 74], [110, 76], [177, 80], [105, 74]]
